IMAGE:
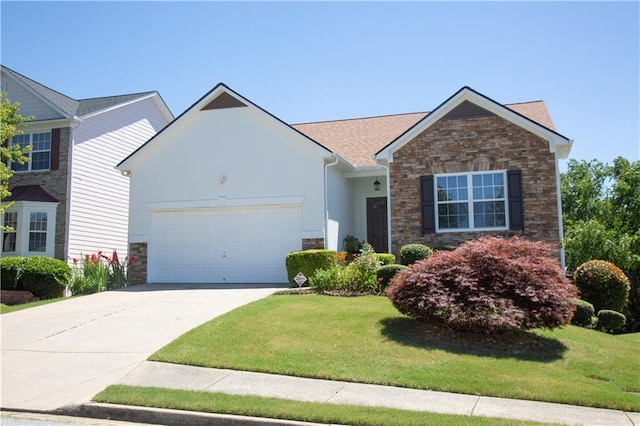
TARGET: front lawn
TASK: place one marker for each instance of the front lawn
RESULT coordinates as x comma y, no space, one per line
364,339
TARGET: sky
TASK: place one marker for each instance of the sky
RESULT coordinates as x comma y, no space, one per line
316,61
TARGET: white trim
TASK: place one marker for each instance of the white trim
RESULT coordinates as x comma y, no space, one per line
470,202
156,206
163,108
557,143
560,224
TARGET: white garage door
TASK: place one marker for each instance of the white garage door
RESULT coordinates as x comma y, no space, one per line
223,245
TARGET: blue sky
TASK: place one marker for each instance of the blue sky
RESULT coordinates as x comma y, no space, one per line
313,61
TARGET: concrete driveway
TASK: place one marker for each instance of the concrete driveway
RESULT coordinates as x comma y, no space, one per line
66,352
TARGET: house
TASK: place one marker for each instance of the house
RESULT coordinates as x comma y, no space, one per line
69,199
225,191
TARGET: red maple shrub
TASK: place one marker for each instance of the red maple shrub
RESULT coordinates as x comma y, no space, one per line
489,285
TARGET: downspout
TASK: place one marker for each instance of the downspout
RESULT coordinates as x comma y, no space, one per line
560,225
388,189
326,197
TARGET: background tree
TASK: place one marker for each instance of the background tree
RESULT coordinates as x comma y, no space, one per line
10,122
601,215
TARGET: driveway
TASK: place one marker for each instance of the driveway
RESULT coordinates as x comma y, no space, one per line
65,353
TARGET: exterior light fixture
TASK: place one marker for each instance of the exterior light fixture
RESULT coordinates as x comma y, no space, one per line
376,185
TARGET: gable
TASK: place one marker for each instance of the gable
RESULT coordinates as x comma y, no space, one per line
31,104
468,103
218,113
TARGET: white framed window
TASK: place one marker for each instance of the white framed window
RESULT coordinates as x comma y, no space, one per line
38,231
471,201
40,155
9,238
32,230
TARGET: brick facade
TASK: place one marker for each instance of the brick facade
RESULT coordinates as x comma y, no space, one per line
467,145
55,182
138,269
312,243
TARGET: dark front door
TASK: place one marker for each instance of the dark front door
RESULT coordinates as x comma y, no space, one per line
377,224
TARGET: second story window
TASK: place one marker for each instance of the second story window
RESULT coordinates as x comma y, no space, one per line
40,154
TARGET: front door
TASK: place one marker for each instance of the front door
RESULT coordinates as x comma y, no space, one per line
377,224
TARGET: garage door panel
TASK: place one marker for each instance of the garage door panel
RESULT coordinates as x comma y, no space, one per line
223,245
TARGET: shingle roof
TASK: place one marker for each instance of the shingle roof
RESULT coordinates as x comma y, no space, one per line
31,193
74,107
359,139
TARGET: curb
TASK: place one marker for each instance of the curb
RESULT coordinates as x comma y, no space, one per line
163,416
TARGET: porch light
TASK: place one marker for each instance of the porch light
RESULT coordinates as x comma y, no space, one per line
376,185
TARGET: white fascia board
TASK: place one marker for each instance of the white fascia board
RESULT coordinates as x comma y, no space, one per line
369,171
116,106
557,143
37,125
36,94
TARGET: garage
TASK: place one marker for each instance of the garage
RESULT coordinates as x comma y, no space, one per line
223,244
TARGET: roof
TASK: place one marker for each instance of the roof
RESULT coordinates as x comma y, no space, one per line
74,107
30,193
359,139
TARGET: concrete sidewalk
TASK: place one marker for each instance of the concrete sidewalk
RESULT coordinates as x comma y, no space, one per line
270,385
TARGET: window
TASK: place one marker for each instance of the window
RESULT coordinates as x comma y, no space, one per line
40,154
471,201
38,231
9,237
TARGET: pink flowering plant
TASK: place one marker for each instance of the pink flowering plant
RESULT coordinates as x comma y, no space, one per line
97,272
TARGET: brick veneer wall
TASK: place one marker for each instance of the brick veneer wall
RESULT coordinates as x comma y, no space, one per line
138,269
55,183
312,243
466,145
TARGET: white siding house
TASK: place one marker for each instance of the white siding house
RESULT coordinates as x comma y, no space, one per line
70,200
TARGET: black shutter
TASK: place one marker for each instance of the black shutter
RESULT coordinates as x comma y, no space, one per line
515,200
55,149
427,205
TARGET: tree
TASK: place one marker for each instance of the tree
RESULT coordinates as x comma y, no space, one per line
601,214
10,122
583,189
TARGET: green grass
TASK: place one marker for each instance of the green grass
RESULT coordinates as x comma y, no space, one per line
364,339
5,309
284,409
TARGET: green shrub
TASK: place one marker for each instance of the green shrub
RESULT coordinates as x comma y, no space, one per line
308,262
386,258
352,245
359,276
411,253
46,278
326,279
610,321
386,272
583,315
602,284
10,271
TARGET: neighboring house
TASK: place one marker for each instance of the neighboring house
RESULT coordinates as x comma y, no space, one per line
69,199
225,191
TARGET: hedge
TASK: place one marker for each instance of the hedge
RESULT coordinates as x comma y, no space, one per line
308,262
46,278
